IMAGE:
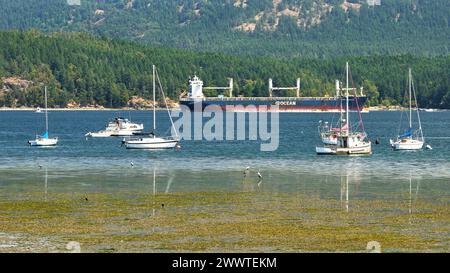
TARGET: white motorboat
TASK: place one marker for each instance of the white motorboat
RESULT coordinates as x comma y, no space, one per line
118,127
410,139
348,141
44,139
152,141
38,110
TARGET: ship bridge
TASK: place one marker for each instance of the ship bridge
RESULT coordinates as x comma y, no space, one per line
196,88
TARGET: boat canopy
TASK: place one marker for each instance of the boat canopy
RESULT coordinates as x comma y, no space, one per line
44,135
407,134
344,128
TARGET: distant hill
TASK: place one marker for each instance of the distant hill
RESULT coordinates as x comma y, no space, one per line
283,28
80,69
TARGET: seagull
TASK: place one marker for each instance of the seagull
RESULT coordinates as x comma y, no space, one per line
247,169
40,166
132,164
428,147
259,175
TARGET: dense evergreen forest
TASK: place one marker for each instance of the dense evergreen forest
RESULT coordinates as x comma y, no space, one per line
88,70
282,28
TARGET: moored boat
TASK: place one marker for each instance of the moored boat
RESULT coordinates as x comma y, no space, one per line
195,100
44,139
410,139
118,127
151,141
350,140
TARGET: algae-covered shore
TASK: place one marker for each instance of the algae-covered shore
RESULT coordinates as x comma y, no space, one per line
220,222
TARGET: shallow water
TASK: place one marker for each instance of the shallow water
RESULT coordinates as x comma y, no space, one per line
74,157
102,166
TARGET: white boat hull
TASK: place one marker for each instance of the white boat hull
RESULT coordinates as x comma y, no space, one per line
99,134
115,133
325,150
43,142
365,149
120,133
118,128
410,144
151,143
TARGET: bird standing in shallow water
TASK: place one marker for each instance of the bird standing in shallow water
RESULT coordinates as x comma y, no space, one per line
246,171
259,175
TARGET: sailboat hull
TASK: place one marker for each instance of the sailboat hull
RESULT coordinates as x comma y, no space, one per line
151,143
43,142
354,151
326,150
410,144
362,149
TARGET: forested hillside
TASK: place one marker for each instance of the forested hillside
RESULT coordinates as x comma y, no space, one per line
87,70
283,28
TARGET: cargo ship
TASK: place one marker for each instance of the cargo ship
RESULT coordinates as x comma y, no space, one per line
197,101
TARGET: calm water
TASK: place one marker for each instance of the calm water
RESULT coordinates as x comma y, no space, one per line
78,165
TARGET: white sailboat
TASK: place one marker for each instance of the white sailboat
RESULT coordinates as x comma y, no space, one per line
152,141
349,142
44,139
410,139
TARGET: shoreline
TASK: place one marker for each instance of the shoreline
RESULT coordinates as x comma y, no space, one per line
80,109
365,110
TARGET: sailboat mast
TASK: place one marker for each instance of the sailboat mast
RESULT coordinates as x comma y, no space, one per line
410,99
154,100
417,109
46,112
340,111
346,101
